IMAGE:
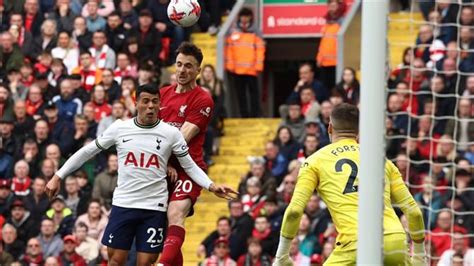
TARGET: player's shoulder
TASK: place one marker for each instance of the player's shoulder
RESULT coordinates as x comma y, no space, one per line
167,128
166,89
202,93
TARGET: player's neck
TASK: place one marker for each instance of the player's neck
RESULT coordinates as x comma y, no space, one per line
337,137
182,88
145,123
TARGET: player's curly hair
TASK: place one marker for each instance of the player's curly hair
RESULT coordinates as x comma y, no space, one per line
188,48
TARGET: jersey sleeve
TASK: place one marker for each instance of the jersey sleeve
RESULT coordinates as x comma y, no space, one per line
401,196
201,111
109,137
179,146
305,186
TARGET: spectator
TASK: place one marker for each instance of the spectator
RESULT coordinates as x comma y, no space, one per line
294,119
349,86
24,39
409,101
33,254
296,255
66,51
81,35
68,106
220,254
275,162
255,255
441,235
72,197
310,145
461,247
41,136
102,54
326,109
33,17
445,148
463,123
58,73
37,201
90,75
274,213
430,201
257,169
11,243
395,112
51,261
34,102
145,74
222,232
309,106
99,100
319,218
22,221
21,181
87,247
46,41
86,188
148,38
30,153
61,216
268,239
253,198
63,15
287,144
23,123
69,255
326,57
95,22
6,197
315,127
51,243
242,225
62,130
288,186
95,220
124,68
10,141
116,33
128,14
10,54
244,59
6,104
118,112
106,182
102,7
112,88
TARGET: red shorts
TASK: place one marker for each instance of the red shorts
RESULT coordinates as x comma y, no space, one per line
185,188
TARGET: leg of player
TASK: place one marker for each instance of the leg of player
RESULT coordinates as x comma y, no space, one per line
146,259
177,212
117,257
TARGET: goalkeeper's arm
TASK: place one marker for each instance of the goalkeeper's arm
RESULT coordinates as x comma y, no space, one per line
307,181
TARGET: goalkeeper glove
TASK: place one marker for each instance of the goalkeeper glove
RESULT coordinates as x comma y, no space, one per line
419,254
283,261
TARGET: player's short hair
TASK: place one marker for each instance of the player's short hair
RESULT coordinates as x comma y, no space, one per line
188,48
149,88
345,118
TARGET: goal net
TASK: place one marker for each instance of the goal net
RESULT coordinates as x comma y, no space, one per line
430,119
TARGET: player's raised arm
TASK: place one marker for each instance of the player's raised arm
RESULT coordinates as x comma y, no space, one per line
306,184
80,157
401,196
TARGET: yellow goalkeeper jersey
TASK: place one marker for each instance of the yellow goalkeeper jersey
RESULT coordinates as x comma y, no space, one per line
333,172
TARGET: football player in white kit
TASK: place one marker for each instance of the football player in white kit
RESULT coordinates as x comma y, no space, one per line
144,145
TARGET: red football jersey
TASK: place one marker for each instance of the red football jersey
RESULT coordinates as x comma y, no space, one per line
196,107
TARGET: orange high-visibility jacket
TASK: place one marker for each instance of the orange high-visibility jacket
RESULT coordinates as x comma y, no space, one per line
327,52
244,53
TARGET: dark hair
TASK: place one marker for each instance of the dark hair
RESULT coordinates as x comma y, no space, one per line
245,12
306,87
115,14
100,31
310,136
277,137
253,240
224,218
310,65
345,118
66,32
188,48
149,88
85,52
83,225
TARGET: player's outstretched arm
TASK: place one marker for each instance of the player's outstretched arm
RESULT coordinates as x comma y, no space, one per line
401,196
72,164
306,184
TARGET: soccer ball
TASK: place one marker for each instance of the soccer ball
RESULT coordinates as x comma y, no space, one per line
184,13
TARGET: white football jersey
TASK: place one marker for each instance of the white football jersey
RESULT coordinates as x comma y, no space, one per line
143,153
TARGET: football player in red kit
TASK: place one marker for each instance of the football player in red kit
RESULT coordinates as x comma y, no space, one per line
188,107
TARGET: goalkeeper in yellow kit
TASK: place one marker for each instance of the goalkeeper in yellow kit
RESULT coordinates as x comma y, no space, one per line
332,171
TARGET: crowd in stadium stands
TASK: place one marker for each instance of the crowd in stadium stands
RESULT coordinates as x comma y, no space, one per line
68,70
430,137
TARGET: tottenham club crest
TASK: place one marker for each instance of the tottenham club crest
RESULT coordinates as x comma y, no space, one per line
181,110
158,142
